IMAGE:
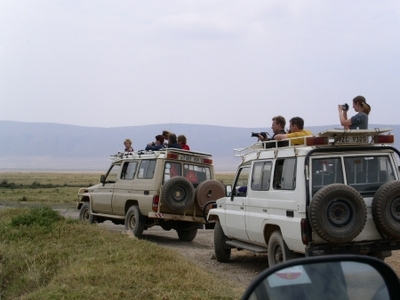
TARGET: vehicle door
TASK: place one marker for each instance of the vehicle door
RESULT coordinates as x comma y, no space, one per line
101,201
146,184
287,198
258,200
123,188
235,206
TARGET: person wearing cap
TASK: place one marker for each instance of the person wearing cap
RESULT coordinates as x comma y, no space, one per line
158,145
165,134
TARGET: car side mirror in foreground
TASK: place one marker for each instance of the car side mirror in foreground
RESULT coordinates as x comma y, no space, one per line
102,179
327,277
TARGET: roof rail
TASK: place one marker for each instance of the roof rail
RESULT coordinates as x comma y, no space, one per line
271,145
150,153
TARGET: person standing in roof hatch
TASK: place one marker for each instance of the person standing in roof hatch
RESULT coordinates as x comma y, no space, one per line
296,130
128,145
182,142
358,121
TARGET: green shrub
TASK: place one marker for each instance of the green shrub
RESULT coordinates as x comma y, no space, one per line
42,216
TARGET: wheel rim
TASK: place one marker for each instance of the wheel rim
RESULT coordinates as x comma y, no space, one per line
278,254
179,194
340,212
86,215
395,209
132,221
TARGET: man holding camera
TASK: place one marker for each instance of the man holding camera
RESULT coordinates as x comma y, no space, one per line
278,127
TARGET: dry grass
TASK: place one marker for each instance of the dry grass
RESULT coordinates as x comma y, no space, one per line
47,257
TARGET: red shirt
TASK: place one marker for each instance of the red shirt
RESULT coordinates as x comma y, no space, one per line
185,147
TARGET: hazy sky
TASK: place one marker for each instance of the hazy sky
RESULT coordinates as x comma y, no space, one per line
230,63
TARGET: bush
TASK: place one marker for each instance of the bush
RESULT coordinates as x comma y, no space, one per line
42,216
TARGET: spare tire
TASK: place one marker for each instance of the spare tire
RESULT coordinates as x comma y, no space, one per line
178,193
207,191
337,213
386,209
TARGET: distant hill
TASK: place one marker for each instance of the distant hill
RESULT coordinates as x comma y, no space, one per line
48,146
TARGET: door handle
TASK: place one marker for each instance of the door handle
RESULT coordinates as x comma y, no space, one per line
265,210
241,207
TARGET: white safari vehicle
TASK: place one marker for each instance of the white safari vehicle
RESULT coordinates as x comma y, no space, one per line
339,192
141,189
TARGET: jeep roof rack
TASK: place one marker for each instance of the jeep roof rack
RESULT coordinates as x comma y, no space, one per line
165,151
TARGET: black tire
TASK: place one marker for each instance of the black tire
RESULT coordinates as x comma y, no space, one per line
134,221
222,250
386,209
178,194
337,213
187,235
85,215
278,252
207,191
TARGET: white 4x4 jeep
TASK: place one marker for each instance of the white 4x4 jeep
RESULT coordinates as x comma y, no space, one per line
337,193
168,188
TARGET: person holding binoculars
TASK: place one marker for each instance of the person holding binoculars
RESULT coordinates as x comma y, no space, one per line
358,121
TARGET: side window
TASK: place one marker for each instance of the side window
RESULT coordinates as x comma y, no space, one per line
112,175
285,174
146,169
128,170
261,176
241,181
171,170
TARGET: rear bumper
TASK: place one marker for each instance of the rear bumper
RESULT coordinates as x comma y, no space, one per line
365,248
163,216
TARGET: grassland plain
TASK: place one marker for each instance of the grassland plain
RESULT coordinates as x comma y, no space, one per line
45,256
54,189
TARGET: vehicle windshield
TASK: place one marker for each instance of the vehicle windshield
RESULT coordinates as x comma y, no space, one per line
194,173
364,173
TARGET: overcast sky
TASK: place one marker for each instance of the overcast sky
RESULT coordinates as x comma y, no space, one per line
230,63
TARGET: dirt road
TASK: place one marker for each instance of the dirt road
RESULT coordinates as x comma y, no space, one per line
242,269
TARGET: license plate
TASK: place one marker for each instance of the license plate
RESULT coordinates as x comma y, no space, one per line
352,139
190,158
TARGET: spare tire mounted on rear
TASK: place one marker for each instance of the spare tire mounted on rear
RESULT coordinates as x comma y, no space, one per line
386,209
178,193
338,213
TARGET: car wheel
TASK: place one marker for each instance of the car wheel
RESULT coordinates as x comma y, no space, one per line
337,213
386,209
187,235
222,251
85,215
206,191
278,251
134,221
178,194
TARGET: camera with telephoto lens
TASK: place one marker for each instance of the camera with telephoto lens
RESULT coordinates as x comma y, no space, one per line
256,134
345,106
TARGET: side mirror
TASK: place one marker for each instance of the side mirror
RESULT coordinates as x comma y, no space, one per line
228,190
327,277
103,179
